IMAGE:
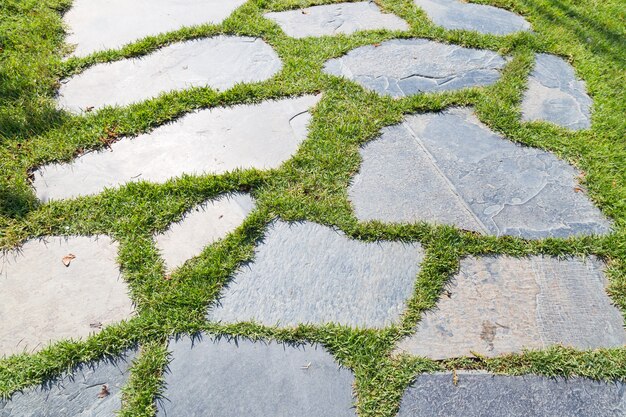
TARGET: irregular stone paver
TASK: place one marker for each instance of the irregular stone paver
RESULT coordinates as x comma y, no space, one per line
457,14
219,62
332,19
75,394
42,300
97,25
556,95
500,305
450,168
214,141
202,226
309,273
254,379
404,67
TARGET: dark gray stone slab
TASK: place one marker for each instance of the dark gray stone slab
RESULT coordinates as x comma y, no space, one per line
254,379
482,395
449,168
308,273
404,67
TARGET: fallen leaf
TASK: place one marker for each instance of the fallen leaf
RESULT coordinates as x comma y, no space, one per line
104,392
578,189
377,44
88,109
67,259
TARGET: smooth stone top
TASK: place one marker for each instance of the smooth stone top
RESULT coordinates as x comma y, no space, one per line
332,19
556,95
98,25
254,379
457,14
404,67
309,273
219,62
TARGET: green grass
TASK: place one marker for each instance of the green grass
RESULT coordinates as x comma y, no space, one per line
311,186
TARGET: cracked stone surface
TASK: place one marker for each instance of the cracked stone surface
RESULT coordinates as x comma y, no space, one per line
96,25
456,14
75,394
42,300
479,394
332,19
212,141
449,168
201,227
499,305
309,273
556,95
219,62
257,379
404,67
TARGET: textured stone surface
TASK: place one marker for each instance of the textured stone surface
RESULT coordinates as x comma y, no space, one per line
212,141
42,300
556,95
450,168
219,62
404,67
481,395
308,273
332,19
97,25
242,378
75,394
202,226
458,14
500,305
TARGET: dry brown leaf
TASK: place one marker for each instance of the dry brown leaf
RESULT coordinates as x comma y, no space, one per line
377,44
578,189
67,259
104,392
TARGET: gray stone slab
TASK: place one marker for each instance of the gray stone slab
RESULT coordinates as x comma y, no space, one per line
404,67
212,141
75,394
556,95
254,379
458,14
449,168
333,19
500,305
42,300
482,395
219,62
95,25
309,273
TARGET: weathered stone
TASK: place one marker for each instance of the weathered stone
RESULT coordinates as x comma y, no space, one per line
308,273
254,379
97,25
449,168
499,305
404,67
76,394
457,14
332,19
556,95
212,141
481,394
219,62
202,226
42,300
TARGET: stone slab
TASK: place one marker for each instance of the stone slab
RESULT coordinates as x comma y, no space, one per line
449,168
42,300
405,67
201,227
556,95
309,273
212,141
96,25
254,379
482,18
500,305
219,62
333,19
